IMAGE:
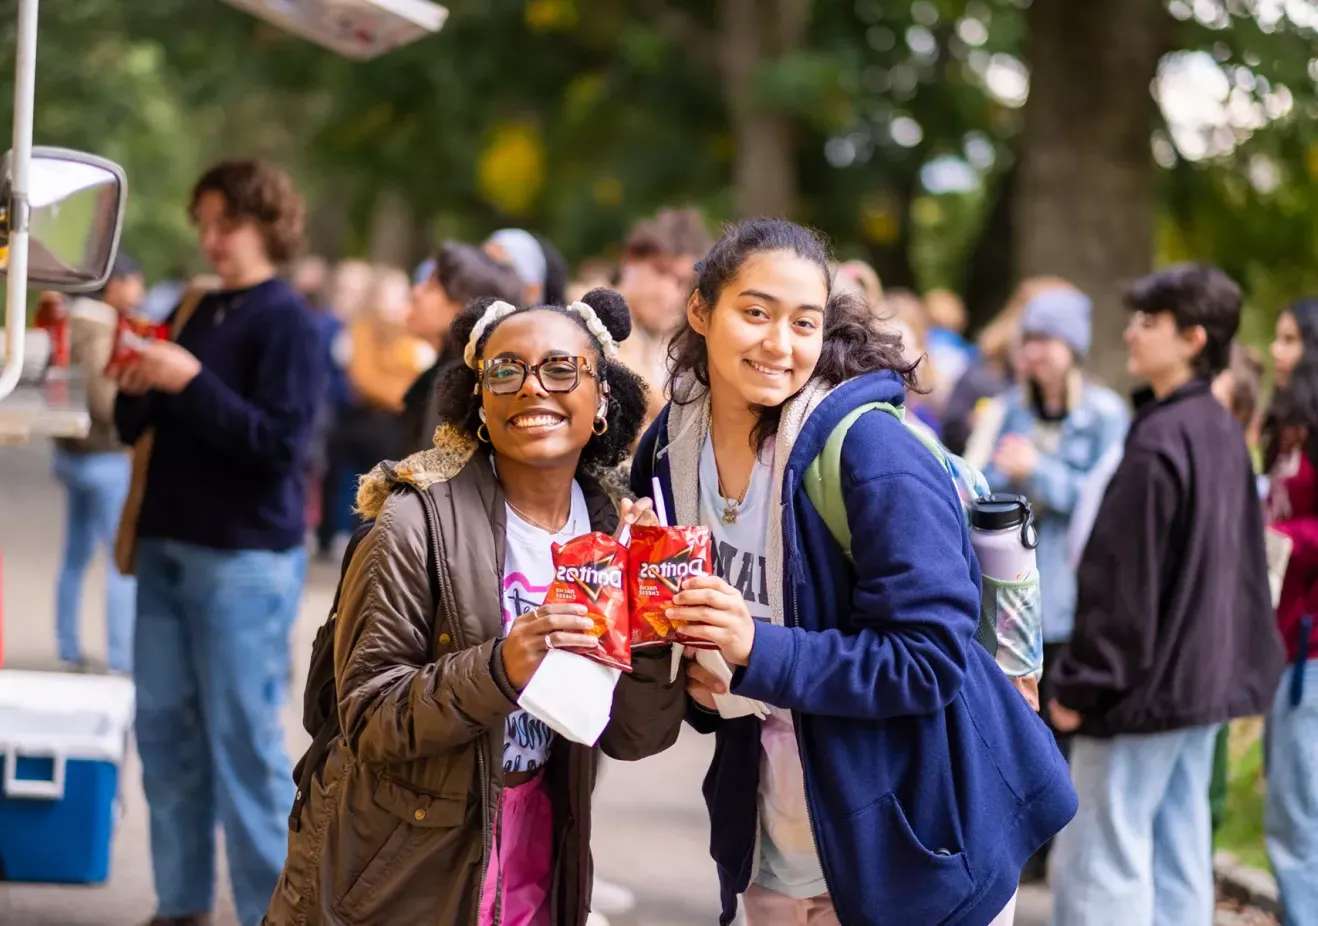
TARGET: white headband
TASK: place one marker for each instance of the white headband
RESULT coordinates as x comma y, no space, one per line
607,345
493,313
497,310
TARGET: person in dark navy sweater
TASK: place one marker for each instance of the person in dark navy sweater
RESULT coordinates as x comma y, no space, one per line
220,558
899,777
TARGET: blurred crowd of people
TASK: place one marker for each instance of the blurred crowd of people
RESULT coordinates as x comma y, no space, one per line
274,396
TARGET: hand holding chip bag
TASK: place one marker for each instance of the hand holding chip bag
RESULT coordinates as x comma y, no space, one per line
132,335
661,559
590,570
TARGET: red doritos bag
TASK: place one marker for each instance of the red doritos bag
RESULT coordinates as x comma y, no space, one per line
661,559
132,336
590,570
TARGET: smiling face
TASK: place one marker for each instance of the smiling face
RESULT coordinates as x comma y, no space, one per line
533,426
764,335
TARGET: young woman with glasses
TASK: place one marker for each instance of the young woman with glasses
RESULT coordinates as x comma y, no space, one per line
442,802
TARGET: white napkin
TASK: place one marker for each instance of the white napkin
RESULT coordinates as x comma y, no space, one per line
573,695
729,706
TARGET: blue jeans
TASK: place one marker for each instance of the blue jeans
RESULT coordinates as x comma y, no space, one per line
1139,851
95,485
212,675
1292,809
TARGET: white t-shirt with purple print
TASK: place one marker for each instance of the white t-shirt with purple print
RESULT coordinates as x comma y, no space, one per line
528,568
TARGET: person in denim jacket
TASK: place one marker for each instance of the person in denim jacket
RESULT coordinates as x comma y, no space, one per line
1053,429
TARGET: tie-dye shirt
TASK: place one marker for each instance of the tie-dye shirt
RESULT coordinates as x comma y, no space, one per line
528,568
788,862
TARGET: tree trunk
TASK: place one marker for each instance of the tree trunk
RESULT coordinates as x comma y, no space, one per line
327,223
990,273
892,259
753,33
391,229
1085,204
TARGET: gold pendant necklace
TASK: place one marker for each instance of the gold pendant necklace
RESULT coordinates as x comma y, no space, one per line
534,523
732,506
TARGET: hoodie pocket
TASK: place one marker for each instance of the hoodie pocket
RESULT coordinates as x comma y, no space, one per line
893,869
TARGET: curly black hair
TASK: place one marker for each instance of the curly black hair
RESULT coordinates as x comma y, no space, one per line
460,404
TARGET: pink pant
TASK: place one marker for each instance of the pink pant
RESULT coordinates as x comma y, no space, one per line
769,908
522,861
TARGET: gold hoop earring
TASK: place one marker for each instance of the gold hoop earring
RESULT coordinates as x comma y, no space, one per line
482,433
600,427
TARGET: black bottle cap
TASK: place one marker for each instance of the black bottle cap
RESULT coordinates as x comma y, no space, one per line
999,512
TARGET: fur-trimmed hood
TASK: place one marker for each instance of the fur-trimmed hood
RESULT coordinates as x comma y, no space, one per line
452,450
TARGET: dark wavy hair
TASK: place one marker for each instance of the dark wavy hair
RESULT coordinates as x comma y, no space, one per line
466,273
460,403
1196,295
261,192
854,344
1294,406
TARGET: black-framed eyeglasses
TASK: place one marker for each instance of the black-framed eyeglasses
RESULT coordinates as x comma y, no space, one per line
507,375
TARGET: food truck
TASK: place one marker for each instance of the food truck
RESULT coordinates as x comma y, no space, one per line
63,736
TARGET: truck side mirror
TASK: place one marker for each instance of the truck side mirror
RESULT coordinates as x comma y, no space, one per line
75,212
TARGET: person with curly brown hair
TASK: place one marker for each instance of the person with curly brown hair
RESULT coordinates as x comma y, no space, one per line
220,418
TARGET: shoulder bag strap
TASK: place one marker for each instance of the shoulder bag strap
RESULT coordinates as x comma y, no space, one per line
125,540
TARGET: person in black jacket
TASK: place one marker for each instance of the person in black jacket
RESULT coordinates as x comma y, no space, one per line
1174,633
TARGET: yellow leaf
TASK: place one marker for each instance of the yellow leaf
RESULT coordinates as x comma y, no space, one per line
550,15
1311,160
879,221
511,169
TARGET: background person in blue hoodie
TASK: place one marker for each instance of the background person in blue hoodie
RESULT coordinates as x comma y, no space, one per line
1048,432
220,558
900,778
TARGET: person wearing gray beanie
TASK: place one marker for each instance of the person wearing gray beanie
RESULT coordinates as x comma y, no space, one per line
1049,431
1063,314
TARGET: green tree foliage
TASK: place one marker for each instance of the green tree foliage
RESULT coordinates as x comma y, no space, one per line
575,117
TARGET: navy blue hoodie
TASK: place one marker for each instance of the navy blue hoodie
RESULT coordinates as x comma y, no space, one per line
929,780
227,469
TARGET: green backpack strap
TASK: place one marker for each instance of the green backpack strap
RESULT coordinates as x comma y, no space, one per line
823,477
823,486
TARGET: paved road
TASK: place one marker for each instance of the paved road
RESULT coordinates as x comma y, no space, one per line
650,819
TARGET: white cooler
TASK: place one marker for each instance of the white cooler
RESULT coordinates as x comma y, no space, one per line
62,742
